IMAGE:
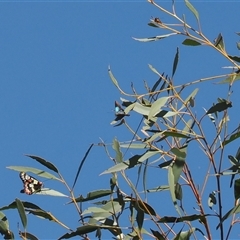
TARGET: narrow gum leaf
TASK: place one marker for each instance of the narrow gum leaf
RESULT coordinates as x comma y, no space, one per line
114,80
36,171
116,147
156,106
192,9
21,212
190,42
45,163
175,63
156,38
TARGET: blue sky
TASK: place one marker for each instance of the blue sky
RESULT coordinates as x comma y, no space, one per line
56,97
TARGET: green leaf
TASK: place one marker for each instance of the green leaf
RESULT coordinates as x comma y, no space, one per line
139,108
44,162
157,235
36,171
175,63
232,138
178,191
116,147
93,195
154,70
156,38
238,45
189,218
4,224
140,218
172,189
81,165
219,43
27,235
190,42
175,134
191,96
184,235
237,189
179,162
13,205
134,146
192,9
235,58
141,205
21,212
79,232
230,79
147,155
51,192
234,210
114,80
45,215
219,107
158,189
156,106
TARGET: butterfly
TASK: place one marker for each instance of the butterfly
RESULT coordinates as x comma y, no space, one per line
31,185
119,112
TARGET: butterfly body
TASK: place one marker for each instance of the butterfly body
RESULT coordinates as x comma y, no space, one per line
31,185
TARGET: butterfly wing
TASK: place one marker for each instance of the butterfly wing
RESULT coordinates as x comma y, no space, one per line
30,184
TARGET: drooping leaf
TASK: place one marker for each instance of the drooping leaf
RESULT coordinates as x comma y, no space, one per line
141,205
116,147
156,106
157,235
232,138
81,165
27,235
235,58
179,162
191,96
238,45
13,205
184,235
46,215
237,189
219,43
190,42
156,38
175,134
114,80
21,212
232,78
171,183
178,191
232,211
93,195
158,189
139,108
219,107
36,171
189,218
4,224
140,218
156,84
175,63
45,163
192,9
80,231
